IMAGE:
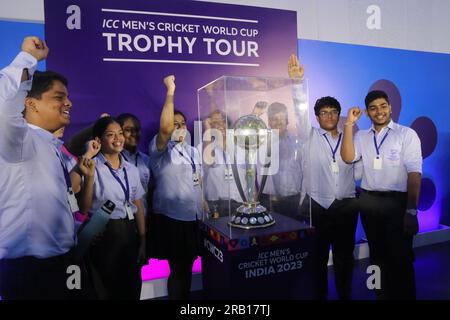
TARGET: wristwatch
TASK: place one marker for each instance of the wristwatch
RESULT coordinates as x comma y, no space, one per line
412,212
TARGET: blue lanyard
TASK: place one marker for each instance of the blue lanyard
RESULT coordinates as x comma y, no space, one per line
126,189
333,151
66,173
377,147
190,159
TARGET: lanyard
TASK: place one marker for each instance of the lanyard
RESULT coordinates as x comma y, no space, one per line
190,159
66,173
333,151
377,147
126,189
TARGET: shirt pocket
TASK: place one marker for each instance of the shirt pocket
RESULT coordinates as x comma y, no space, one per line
393,156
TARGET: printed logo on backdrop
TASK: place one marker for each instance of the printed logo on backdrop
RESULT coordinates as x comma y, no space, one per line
174,35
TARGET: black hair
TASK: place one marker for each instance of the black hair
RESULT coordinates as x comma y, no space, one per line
43,82
374,95
123,117
180,113
324,102
277,107
101,125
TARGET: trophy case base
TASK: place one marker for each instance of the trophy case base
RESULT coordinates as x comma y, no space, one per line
259,263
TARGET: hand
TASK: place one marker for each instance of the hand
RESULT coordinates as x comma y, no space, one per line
169,81
295,70
207,123
86,166
259,108
93,147
410,224
36,47
353,115
142,254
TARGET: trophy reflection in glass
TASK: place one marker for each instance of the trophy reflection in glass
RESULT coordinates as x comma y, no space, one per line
250,132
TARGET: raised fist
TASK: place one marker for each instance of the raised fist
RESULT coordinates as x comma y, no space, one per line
259,108
169,81
87,166
295,70
36,47
93,147
354,114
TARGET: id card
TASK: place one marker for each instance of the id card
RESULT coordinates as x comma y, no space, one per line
129,211
377,163
195,179
72,201
334,167
228,174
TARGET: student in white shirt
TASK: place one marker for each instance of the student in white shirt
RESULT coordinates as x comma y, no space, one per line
177,197
392,167
117,255
36,200
330,185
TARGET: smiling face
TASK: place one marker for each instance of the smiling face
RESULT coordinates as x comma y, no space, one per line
379,111
52,110
112,140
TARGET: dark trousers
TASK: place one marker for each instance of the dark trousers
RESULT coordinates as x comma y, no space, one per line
335,227
288,206
180,278
30,278
382,217
113,262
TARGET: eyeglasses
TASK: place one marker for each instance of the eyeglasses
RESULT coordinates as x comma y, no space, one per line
332,113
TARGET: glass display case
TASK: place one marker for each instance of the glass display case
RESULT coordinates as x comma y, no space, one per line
252,154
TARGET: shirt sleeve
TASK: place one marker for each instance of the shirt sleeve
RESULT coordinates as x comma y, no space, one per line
412,152
155,155
140,192
357,143
13,127
301,108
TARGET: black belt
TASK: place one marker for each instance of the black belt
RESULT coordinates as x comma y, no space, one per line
385,193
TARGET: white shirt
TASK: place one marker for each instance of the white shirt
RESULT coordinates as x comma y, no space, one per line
142,162
319,181
400,154
287,180
35,216
106,187
219,180
175,193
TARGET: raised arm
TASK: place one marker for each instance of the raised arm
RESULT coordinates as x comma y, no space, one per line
166,123
14,85
300,97
348,153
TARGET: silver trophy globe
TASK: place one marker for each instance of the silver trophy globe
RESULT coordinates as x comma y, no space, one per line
250,132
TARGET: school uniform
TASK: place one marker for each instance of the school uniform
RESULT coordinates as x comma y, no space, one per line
141,161
281,192
329,184
177,206
387,157
114,256
36,222
219,183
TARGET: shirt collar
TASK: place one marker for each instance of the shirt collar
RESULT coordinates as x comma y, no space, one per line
391,125
47,136
102,159
323,132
